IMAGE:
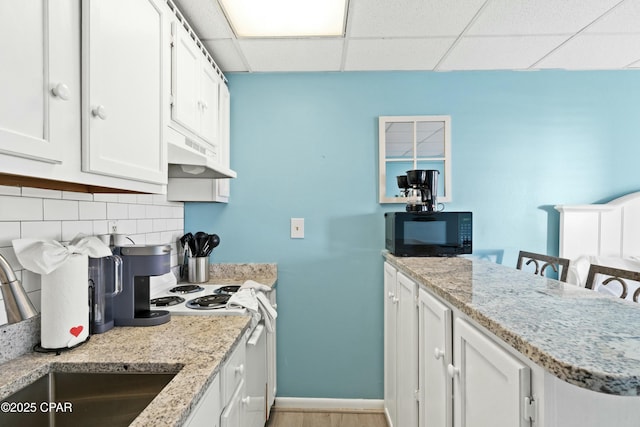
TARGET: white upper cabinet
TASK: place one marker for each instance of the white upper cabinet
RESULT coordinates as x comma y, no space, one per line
195,87
38,80
122,120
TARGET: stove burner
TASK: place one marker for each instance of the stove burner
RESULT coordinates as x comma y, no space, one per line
166,301
209,302
186,289
227,290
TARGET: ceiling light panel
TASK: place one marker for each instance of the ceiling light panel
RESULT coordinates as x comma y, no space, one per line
286,18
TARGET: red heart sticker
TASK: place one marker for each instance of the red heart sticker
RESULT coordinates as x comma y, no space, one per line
76,330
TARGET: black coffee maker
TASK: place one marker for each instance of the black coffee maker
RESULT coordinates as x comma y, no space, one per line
425,182
140,262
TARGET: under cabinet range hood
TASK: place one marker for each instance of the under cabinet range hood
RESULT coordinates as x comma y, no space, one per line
191,159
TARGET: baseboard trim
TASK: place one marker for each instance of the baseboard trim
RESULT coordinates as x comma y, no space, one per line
333,405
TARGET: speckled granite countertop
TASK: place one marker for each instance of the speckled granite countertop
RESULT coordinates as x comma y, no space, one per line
193,346
578,335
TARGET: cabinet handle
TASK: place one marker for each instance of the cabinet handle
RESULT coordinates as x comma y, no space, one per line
99,112
453,371
438,354
61,91
239,369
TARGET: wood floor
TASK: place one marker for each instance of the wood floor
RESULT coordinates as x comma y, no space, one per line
281,418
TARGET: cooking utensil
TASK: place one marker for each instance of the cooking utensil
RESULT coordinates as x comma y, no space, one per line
201,238
185,241
213,242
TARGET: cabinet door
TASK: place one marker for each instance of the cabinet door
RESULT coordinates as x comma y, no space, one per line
122,89
490,384
185,79
407,353
209,87
207,413
434,355
38,83
224,140
232,416
390,313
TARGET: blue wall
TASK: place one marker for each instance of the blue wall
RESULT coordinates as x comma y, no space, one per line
305,145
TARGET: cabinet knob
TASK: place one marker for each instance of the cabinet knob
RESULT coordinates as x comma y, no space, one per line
390,295
240,369
204,105
438,354
99,112
453,371
246,400
61,91
395,300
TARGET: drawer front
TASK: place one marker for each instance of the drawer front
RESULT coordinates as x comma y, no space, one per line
234,371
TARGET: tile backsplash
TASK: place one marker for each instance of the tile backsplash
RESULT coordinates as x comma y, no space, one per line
60,215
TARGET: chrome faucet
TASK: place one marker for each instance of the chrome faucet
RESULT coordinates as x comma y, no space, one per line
16,302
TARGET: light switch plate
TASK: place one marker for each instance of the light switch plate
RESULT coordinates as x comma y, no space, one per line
297,228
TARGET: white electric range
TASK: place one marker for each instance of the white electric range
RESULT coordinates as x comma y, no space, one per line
260,344
191,299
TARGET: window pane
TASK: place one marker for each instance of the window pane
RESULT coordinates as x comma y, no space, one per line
439,166
393,170
399,140
430,139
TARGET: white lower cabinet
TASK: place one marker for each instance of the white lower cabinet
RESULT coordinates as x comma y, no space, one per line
491,387
445,372
390,343
207,413
232,416
406,353
434,355
232,386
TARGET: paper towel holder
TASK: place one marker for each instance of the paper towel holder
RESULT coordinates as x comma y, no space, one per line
16,302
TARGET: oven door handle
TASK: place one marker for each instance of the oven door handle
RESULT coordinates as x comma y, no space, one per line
255,336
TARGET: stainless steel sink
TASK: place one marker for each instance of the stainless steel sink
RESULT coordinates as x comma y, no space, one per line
82,399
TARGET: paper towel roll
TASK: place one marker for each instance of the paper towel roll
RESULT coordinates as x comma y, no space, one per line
65,304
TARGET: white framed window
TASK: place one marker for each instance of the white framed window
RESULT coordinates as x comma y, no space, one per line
413,142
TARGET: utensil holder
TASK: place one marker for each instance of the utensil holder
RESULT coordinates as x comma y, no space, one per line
198,269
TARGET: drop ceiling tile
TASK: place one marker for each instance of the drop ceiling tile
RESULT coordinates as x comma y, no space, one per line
395,54
206,18
410,18
292,54
224,52
595,51
625,18
532,17
499,53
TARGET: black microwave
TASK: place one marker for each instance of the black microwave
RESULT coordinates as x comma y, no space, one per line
428,233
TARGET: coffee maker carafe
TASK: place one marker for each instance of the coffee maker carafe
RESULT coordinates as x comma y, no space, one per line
425,181
140,262
105,282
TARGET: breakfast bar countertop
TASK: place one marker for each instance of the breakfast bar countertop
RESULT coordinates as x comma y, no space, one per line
578,335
